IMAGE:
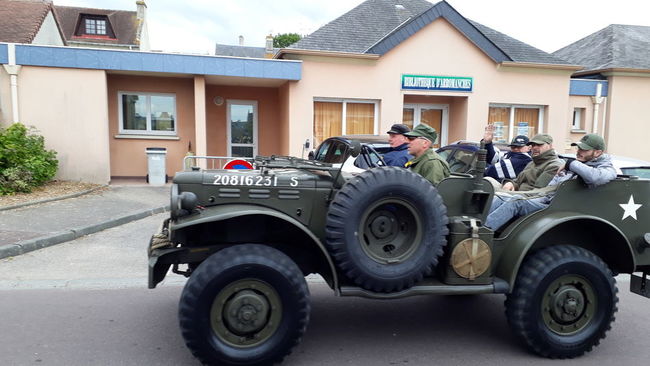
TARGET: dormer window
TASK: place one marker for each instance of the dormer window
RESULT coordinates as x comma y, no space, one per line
94,26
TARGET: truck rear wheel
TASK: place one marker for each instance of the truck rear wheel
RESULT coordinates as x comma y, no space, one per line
386,229
563,302
244,305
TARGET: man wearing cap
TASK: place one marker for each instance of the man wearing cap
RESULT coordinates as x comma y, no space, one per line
512,163
590,163
539,172
398,154
426,162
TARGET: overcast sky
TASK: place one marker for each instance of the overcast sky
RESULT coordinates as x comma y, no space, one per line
194,26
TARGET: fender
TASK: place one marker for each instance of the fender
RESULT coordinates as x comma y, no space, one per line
225,212
517,243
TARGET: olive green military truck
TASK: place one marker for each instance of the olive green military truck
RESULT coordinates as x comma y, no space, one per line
247,238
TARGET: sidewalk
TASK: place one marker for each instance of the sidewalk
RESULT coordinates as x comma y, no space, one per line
37,226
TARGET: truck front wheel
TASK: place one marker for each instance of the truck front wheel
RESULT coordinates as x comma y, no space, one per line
244,305
563,302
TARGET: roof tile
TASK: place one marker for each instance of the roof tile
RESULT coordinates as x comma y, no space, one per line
21,20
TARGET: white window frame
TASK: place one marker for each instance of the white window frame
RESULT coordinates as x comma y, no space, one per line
90,25
578,116
148,131
511,122
345,102
101,22
255,143
417,113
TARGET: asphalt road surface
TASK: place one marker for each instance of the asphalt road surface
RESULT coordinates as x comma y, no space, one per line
86,303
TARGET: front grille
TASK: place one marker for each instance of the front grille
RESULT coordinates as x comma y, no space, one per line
259,193
289,194
229,193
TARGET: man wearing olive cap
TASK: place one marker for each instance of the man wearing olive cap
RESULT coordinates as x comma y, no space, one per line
591,164
426,162
539,172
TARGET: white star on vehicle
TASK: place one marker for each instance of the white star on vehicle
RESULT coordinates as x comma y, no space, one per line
630,208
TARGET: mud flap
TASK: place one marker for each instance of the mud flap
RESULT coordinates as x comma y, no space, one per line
639,285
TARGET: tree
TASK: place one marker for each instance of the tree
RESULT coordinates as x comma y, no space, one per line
283,40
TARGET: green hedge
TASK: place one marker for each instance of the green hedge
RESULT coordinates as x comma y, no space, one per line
24,161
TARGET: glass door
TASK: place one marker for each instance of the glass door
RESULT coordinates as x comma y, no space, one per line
434,115
242,128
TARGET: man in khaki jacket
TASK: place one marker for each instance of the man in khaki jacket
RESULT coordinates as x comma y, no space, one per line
539,172
426,162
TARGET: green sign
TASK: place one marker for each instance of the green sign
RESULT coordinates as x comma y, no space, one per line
426,82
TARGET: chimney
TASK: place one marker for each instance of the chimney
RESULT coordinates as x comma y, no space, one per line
142,9
268,50
241,40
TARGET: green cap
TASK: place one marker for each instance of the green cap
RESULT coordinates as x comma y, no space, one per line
425,131
590,142
541,139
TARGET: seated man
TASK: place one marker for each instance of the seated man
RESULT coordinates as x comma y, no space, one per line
398,154
512,163
591,164
539,172
426,162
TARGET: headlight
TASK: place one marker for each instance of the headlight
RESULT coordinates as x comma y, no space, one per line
182,204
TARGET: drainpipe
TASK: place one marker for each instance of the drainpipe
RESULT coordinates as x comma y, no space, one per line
12,69
596,100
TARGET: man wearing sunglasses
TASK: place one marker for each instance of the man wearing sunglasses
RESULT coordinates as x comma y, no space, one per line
426,162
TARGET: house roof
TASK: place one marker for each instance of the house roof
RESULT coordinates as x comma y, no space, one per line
124,24
362,27
613,47
377,26
241,51
21,20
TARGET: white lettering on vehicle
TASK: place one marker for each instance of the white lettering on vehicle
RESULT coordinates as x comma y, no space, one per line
248,180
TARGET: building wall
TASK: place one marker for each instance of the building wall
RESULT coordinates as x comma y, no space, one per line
5,98
68,107
128,158
437,49
48,34
585,102
627,129
269,123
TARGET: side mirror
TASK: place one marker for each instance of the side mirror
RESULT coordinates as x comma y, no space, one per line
311,155
355,148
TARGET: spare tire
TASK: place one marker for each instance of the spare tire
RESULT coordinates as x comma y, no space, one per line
386,228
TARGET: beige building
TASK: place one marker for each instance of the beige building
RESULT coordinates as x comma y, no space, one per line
380,63
618,58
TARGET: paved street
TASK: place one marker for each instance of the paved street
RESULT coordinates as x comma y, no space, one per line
85,302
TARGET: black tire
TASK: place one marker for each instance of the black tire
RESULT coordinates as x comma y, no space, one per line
563,303
228,310
386,229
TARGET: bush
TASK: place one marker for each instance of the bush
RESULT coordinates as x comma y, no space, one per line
24,162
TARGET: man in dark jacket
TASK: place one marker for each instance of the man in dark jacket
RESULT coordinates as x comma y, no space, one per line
512,163
398,155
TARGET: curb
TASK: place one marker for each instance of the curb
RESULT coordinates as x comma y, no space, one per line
46,200
22,247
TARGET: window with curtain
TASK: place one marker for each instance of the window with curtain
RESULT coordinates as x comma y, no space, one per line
347,117
500,117
513,120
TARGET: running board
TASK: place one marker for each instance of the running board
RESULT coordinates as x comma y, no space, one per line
430,287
